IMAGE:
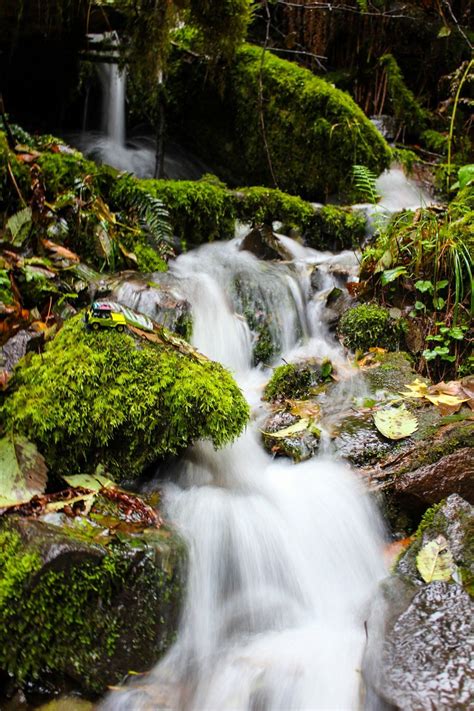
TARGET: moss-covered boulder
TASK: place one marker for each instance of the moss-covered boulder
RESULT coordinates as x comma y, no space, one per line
297,380
369,325
335,228
82,604
314,132
107,397
200,211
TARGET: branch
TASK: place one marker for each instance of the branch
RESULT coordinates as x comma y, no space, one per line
344,8
447,5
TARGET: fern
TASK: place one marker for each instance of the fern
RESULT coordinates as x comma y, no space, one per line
364,182
151,211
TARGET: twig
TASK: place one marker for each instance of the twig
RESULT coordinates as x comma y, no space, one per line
447,5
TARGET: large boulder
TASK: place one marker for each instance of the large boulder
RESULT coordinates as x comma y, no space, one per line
420,644
85,600
313,131
107,397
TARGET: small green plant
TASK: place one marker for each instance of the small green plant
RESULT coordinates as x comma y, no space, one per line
364,183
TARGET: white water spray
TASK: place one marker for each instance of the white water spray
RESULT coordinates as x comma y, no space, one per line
283,558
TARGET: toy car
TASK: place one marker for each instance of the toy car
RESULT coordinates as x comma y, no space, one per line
102,315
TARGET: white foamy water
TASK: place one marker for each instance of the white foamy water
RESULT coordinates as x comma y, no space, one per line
283,558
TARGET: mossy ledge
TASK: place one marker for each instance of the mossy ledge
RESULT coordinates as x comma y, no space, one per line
79,613
314,132
105,397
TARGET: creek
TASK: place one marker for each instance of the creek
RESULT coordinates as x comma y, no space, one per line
283,559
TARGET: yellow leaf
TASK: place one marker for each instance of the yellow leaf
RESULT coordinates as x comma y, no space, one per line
294,429
435,561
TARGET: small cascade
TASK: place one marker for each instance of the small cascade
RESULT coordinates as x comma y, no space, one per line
283,558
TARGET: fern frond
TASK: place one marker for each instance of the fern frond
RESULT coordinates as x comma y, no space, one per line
364,182
151,211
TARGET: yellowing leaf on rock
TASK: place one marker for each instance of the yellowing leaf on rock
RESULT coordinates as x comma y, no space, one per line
417,389
294,429
304,408
93,482
395,422
435,561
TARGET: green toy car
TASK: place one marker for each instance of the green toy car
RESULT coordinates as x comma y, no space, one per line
102,315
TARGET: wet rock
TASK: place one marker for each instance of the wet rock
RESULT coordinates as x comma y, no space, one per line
454,520
420,657
17,346
158,298
85,601
299,447
424,662
359,441
265,244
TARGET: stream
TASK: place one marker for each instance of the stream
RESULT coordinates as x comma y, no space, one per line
283,559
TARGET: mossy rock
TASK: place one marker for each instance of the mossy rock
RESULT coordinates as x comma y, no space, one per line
452,518
335,228
105,397
262,205
200,211
368,326
296,381
81,608
314,132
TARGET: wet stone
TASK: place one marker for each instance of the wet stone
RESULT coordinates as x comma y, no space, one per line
427,655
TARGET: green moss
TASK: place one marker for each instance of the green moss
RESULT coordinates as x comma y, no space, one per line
314,132
406,108
63,613
6,293
148,260
265,205
61,170
10,166
200,211
101,397
369,325
335,228
296,381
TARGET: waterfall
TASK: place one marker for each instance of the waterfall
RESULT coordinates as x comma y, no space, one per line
283,558
113,83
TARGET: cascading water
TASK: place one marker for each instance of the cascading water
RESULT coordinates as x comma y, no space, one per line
113,84
283,558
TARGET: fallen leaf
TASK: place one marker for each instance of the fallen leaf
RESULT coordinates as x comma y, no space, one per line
60,251
435,561
23,472
294,429
395,422
304,408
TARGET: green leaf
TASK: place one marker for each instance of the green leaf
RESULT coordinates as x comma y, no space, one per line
19,226
438,302
395,422
326,369
390,275
23,472
435,561
456,332
424,286
442,284
420,306
466,175
445,31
